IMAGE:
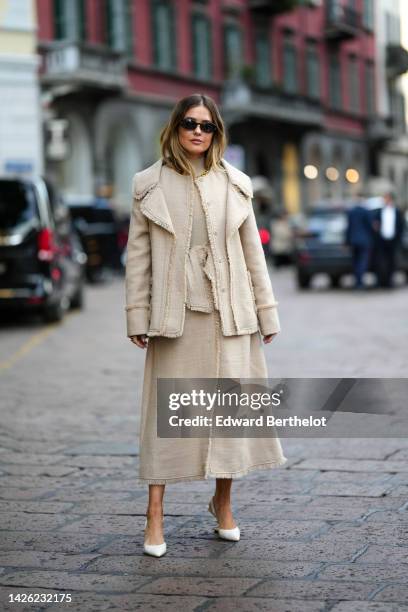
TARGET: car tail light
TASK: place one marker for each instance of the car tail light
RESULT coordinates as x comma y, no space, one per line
304,257
35,299
264,235
45,245
55,274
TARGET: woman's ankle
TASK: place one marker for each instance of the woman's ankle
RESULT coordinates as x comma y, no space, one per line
154,512
222,502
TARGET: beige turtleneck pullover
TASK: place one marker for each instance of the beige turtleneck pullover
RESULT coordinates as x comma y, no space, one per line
199,268
199,234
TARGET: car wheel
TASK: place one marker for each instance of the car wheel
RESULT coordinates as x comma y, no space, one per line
95,276
77,300
54,313
303,280
90,277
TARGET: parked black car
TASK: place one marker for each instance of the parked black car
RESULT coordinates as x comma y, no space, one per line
41,258
99,232
320,247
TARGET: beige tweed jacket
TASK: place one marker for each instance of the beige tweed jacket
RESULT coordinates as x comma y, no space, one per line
158,244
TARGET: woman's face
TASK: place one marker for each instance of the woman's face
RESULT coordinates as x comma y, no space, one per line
196,142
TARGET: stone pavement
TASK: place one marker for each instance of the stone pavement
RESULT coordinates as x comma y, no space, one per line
327,531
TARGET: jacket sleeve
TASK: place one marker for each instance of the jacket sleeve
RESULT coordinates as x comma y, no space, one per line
138,271
266,305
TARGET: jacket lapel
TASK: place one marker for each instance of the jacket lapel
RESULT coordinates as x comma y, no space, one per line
153,205
239,194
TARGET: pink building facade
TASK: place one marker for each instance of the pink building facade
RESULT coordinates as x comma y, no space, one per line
297,88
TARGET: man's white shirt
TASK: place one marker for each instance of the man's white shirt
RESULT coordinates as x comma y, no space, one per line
388,218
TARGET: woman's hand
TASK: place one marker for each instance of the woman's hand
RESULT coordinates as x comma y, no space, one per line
140,340
269,338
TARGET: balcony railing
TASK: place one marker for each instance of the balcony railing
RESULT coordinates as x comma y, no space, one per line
379,129
273,7
241,100
342,21
82,64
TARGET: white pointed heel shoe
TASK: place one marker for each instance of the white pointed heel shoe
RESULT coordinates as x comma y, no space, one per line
226,534
155,550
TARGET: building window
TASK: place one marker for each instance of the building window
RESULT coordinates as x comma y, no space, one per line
202,47
312,70
368,14
119,31
232,50
335,89
263,68
370,88
354,84
290,80
164,38
70,20
333,10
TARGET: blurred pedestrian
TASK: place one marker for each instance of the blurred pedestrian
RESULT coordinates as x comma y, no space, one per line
199,297
388,225
359,236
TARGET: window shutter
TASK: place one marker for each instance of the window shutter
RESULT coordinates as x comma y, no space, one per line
59,19
155,33
129,6
290,65
194,42
209,49
201,45
173,35
164,34
224,52
313,71
81,13
262,61
109,22
232,50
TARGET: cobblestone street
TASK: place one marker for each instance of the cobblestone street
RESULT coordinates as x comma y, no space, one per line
327,531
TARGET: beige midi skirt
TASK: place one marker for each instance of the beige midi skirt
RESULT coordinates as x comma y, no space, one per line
201,352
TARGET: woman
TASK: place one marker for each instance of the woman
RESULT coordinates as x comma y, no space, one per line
197,293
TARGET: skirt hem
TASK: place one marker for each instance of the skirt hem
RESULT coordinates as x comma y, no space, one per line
210,475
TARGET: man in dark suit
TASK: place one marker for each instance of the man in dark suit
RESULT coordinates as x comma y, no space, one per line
359,236
388,225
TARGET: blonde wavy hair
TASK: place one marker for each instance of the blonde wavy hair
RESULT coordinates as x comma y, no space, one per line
173,153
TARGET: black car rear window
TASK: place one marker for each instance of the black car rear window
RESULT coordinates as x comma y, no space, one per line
328,227
17,204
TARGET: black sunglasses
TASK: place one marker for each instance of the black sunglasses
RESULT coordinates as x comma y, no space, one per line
206,126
